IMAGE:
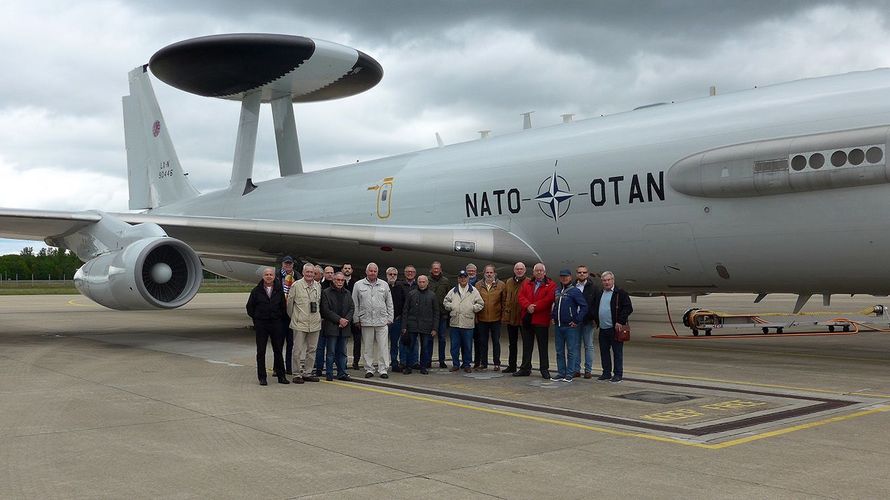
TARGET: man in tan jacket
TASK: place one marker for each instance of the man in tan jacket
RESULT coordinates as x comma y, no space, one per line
462,302
305,319
512,313
488,320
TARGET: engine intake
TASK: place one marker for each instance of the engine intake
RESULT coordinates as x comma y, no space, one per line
149,273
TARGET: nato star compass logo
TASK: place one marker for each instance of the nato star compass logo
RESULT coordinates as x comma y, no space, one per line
554,197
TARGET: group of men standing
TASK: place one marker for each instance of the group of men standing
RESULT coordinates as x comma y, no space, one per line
395,323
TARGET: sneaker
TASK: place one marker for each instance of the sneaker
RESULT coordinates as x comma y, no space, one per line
567,379
344,377
557,379
298,380
616,379
384,375
588,375
603,377
369,374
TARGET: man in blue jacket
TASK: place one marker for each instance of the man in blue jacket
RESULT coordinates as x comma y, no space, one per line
569,311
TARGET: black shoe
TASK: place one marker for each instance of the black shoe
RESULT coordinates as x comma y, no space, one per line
616,379
416,366
396,368
263,382
442,364
329,378
282,380
603,377
369,374
545,375
406,371
344,378
383,375
355,365
311,378
522,373
423,371
510,369
297,380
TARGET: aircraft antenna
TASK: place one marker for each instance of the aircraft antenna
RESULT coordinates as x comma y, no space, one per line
527,120
713,91
484,134
568,117
439,140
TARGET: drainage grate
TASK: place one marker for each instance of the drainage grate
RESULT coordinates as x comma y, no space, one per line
657,397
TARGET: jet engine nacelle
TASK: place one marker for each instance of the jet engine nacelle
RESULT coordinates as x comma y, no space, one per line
149,273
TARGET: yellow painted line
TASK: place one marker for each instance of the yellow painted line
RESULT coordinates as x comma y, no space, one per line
606,430
73,302
787,430
754,384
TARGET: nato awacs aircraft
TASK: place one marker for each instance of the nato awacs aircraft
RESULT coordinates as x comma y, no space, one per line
781,188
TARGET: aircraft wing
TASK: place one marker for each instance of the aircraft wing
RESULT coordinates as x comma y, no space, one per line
265,240
42,224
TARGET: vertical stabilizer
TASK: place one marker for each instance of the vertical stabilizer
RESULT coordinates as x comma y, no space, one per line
155,175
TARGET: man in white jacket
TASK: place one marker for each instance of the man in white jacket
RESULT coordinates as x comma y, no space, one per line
463,302
374,313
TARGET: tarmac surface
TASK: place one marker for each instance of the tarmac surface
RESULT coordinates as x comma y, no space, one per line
100,403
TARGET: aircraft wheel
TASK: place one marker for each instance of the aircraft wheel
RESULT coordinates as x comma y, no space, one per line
694,332
708,332
846,328
779,329
765,330
831,328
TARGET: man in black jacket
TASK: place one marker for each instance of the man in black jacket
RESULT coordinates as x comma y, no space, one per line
337,310
266,306
420,318
612,308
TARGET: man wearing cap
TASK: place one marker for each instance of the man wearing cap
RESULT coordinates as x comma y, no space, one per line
569,310
288,276
462,302
536,299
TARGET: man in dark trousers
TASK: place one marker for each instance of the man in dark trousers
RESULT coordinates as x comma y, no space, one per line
337,310
536,299
266,306
420,319
612,308
288,276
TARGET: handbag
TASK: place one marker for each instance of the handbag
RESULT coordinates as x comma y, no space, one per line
622,333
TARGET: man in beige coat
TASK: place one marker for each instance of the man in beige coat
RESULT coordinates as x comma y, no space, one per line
462,302
305,319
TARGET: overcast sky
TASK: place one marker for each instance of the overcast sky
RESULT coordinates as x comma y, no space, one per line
449,67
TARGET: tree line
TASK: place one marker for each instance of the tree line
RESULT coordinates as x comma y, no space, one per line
46,264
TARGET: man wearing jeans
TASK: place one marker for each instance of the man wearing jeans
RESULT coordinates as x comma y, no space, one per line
588,286
613,307
569,310
337,310
462,302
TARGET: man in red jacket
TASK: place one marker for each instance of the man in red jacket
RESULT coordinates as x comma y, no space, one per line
536,299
